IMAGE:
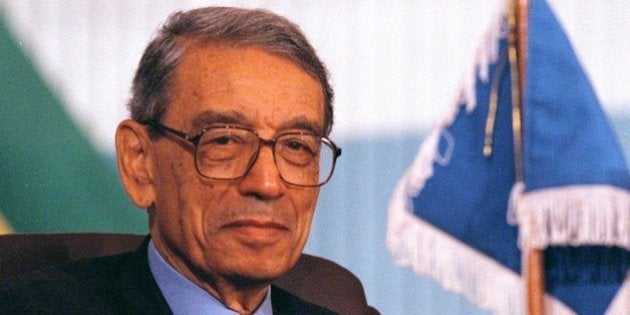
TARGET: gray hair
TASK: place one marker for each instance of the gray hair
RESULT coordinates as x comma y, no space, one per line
219,25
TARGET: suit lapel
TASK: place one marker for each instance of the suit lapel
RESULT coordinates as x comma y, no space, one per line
138,289
139,293
284,302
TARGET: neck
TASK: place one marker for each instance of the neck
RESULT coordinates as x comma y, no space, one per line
241,299
241,295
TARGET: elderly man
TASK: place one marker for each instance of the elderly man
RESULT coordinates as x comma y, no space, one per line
226,149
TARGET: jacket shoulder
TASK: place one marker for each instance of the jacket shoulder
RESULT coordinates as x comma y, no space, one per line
284,302
77,287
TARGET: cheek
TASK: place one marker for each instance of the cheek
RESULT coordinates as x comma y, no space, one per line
187,218
180,186
200,205
181,207
304,205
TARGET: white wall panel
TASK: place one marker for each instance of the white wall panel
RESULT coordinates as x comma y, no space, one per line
395,65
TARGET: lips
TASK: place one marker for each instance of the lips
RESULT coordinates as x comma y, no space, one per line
257,232
256,223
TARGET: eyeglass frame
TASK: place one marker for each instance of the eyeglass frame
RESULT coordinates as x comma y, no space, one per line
194,140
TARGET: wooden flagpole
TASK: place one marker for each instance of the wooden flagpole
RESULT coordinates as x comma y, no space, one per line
533,270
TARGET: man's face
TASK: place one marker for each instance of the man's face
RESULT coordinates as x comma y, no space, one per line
253,228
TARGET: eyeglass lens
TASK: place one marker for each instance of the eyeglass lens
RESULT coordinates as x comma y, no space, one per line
228,153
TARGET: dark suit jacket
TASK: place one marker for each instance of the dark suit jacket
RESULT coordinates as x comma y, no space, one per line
121,284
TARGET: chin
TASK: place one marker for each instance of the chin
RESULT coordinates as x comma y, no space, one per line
257,277
263,270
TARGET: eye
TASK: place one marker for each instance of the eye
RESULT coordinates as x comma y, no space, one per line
297,146
225,137
223,144
221,140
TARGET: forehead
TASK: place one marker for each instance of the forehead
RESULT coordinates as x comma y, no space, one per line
248,85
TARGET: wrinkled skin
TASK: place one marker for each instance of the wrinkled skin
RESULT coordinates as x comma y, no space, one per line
229,237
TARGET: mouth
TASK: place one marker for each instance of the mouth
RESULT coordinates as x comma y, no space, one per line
257,232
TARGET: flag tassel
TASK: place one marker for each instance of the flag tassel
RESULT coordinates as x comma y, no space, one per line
575,215
429,251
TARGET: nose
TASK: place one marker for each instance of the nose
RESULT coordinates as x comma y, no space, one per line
263,179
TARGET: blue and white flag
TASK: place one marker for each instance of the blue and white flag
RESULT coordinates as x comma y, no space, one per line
459,214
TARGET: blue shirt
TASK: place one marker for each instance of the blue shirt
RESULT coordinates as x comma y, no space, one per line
185,297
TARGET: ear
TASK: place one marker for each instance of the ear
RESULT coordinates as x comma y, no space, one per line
134,152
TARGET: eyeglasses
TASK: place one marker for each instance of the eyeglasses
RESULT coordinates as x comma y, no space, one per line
229,152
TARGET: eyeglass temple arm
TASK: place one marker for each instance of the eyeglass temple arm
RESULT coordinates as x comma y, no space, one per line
178,133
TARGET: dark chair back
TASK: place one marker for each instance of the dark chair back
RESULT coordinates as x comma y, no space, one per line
313,279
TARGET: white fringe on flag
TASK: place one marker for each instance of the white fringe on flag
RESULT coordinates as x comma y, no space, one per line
572,215
456,266
432,252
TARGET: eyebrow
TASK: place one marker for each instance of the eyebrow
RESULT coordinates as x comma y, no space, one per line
303,123
210,117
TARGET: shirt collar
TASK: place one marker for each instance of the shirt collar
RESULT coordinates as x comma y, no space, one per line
185,297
